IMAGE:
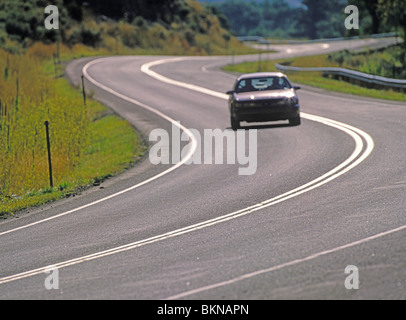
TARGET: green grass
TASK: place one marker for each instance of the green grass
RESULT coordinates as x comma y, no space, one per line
316,79
113,146
386,62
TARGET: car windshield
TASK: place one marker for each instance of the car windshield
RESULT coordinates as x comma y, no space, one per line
262,84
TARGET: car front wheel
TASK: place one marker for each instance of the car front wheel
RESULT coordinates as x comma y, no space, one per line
295,121
235,124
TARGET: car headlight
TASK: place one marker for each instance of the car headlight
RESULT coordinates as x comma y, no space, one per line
292,100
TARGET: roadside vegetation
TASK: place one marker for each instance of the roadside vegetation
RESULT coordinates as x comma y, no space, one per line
181,27
366,61
88,142
388,62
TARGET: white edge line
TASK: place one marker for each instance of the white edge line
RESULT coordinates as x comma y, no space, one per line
346,128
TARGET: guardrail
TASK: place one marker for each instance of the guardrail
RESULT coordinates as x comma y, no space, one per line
356,76
262,40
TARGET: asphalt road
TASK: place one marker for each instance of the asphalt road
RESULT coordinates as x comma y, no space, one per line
325,195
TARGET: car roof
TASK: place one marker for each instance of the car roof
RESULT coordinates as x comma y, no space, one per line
260,74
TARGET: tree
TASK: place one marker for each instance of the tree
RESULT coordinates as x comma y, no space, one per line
314,12
320,19
394,14
372,7
267,18
25,20
369,8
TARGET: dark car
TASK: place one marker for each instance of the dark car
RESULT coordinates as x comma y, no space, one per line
263,97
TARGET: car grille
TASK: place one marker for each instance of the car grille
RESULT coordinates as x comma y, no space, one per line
264,103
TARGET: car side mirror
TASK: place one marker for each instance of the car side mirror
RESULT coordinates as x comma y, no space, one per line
297,88
230,92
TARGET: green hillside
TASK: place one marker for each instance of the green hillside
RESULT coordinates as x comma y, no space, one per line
170,27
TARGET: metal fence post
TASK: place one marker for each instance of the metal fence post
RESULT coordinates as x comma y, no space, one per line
49,154
83,90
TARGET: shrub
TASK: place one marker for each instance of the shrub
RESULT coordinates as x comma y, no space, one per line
128,35
190,37
18,28
139,22
87,36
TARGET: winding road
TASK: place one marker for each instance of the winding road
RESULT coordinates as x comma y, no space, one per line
325,195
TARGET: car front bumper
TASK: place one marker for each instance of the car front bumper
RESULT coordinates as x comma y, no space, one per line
265,113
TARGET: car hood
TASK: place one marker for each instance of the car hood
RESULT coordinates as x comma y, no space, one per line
263,95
